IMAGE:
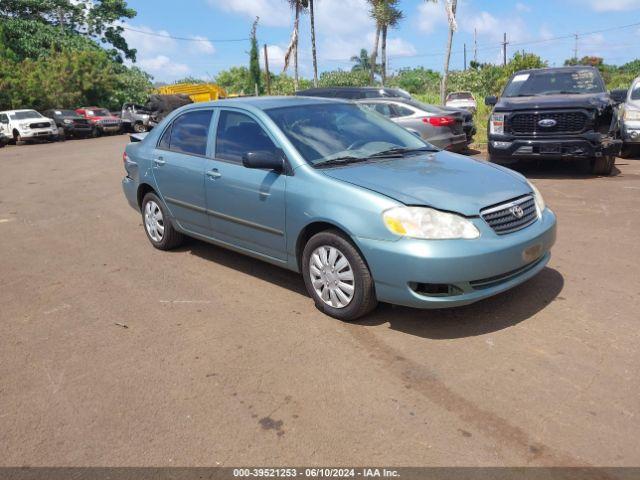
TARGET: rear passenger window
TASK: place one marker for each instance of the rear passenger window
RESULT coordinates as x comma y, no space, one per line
402,111
238,134
165,141
188,133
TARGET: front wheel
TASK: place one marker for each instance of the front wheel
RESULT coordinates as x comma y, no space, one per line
157,224
603,165
337,277
139,128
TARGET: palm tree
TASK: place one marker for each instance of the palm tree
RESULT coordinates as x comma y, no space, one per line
313,43
361,62
450,6
386,14
299,6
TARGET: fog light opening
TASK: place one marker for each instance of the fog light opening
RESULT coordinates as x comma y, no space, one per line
435,289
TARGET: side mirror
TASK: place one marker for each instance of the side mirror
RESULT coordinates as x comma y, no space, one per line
618,95
263,159
491,100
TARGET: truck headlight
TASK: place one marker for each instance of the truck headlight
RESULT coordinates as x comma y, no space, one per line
68,121
537,197
631,114
427,223
25,125
496,123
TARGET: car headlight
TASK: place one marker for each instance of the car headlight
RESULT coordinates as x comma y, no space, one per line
427,223
537,197
68,121
24,125
496,124
631,114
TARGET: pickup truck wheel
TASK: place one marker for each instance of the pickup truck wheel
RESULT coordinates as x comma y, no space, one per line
337,277
17,138
139,128
602,165
157,224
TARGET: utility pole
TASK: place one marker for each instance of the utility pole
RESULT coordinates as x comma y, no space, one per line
504,51
475,45
266,69
575,47
465,56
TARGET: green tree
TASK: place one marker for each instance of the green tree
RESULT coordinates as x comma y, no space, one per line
234,80
361,62
32,27
386,15
254,61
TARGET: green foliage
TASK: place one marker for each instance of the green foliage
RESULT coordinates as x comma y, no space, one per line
416,80
189,79
235,80
255,79
342,78
32,28
70,79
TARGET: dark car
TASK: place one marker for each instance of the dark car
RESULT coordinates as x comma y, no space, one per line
555,113
354,93
69,123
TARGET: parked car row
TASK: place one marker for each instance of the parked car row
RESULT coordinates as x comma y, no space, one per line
445,127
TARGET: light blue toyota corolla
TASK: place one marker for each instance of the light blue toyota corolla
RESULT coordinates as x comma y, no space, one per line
364,209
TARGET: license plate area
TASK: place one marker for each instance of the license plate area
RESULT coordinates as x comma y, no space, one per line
550,148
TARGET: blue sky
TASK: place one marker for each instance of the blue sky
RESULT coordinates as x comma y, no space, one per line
344,26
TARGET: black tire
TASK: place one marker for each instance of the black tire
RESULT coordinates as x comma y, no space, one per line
171,237
364,297
17,138
139,128
630,151
602,165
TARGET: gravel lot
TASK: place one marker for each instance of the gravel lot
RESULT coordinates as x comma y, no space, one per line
225,361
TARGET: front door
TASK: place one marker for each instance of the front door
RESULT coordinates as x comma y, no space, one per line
246,206
179,163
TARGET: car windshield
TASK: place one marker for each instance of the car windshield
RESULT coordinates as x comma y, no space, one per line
25,115
460,96
635,92
99,112
552,82
66,113
326,132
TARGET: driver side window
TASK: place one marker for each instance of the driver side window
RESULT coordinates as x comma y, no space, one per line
238,134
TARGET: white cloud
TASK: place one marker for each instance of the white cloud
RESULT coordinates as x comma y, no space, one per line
398,47
148,41
523,7
614,5
163,67
274,13
430,16
202,45
493,28
348,18
276,58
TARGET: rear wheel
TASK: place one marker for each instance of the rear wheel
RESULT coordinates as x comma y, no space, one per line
157,224
602,165
337,277
139,128
630,151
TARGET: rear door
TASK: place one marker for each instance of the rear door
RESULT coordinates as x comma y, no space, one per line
178,163
246,206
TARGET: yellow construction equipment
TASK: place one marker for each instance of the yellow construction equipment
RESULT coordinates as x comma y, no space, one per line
198,92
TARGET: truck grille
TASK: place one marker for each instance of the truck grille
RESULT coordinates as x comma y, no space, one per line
511,216
40,125
80,121
566,122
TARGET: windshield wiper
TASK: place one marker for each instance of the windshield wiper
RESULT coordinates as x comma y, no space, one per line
401,151
340,161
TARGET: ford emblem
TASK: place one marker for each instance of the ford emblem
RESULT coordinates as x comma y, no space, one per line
547,122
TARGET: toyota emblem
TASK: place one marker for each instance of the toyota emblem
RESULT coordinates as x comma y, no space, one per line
517,211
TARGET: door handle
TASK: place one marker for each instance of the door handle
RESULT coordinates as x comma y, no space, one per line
214,173
159,161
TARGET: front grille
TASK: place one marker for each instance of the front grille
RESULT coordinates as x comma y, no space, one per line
40,125
566,122
503,218
80,121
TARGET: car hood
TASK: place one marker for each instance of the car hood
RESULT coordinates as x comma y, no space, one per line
586,100
441,180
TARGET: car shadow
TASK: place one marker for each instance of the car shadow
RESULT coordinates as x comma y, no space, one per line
490,315
565,170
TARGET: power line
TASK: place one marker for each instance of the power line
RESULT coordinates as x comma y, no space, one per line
185,39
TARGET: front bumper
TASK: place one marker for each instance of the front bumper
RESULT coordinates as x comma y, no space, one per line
473,269
32,133
631,131
508,148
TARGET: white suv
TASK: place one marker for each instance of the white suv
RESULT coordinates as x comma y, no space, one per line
25,125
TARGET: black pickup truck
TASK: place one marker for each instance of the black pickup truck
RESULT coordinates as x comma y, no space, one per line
555,113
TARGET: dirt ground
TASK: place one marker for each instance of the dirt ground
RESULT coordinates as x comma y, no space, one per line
225,361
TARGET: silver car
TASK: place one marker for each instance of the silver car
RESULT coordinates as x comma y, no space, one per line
441,128
630,119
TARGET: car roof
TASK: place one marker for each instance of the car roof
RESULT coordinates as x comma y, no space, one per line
267,103
569,68
20,110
